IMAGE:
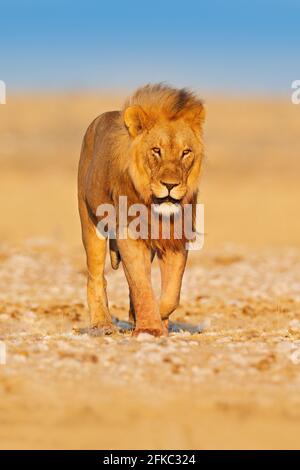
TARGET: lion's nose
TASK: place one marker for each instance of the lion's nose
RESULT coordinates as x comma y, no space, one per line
169,186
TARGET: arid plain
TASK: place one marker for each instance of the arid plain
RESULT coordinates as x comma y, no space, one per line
235,385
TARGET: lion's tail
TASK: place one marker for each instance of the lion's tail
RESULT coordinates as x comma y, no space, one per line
114,253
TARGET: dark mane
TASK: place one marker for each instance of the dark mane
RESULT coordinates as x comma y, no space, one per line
163,100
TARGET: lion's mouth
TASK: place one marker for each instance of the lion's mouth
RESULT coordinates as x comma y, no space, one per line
164,200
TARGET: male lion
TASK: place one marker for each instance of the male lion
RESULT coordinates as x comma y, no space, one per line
151,152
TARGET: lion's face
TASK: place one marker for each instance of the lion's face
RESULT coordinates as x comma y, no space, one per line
169,153
166,163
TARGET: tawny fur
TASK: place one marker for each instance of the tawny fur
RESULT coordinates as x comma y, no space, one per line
118,159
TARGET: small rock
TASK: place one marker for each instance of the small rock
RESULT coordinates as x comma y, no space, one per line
145,337
295,357
294,325
4,317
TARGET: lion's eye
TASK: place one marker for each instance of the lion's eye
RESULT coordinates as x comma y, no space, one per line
186,152
157,151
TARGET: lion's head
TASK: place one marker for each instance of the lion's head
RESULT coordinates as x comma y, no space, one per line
165,128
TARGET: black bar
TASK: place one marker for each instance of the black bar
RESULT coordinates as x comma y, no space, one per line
136,458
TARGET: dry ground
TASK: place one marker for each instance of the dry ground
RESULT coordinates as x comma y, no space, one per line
236,385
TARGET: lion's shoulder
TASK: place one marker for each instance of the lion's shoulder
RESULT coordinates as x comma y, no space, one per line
107,122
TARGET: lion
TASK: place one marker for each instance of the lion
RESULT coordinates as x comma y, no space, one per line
151,151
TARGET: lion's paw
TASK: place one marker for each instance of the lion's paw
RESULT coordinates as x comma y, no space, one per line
156,331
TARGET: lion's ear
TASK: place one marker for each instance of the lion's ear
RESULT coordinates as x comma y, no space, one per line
194,116
136,120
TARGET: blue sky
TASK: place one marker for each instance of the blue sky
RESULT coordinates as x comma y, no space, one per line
234,46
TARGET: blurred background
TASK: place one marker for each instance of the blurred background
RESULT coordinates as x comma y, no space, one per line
235,385
66,62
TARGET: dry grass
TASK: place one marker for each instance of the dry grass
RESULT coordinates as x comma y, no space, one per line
237,384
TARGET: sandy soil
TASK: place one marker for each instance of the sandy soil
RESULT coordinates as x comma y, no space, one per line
235,385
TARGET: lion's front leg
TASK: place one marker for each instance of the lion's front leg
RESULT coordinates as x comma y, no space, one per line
131,314
136,259
172,266
101,322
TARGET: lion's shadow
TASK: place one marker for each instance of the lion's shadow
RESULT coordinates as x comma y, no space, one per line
173,327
